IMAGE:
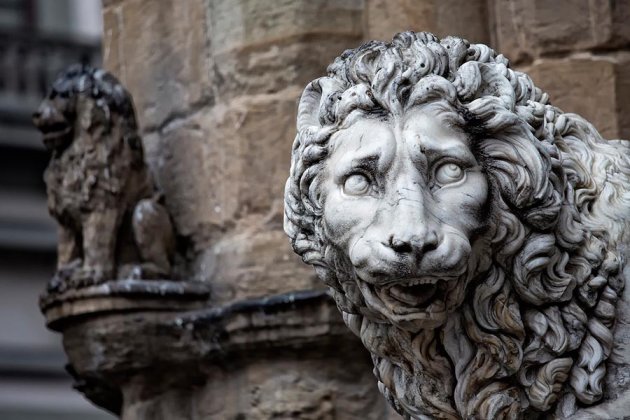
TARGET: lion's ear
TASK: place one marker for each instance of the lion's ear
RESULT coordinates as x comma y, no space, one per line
308,108
318,103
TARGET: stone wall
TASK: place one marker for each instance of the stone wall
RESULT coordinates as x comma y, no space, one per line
576,50
216,83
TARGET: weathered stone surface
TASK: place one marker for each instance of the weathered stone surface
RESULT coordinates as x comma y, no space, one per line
250,24
275,357
248,145
234,229
473,235
62,309
526,29
160,53
603,80
293,385
382,18
177,57
275,65
622,95
112,223
466,18
253,262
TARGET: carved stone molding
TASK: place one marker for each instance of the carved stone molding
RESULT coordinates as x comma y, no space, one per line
474,236
120,296
174,350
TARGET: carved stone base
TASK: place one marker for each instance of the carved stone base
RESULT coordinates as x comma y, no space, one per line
122,295
274,357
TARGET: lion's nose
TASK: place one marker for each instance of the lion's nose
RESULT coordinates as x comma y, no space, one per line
37,116
410,228
42,113
413,243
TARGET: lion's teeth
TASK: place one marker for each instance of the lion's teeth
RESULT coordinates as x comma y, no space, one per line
413,295
422,280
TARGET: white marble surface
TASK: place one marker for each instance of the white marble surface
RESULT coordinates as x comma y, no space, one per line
473,235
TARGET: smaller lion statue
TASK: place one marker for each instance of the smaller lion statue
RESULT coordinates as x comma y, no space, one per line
474,236
112,221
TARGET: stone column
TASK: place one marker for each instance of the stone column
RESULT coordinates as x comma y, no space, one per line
215,85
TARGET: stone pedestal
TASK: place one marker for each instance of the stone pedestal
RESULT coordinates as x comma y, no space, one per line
287,356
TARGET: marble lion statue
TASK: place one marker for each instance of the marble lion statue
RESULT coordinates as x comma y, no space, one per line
112,223
473,235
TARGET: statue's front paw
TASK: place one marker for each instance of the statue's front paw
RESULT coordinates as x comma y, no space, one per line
90,276
63,277
143,271
130,272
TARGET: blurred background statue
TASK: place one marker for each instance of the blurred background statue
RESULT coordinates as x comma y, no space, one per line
111,224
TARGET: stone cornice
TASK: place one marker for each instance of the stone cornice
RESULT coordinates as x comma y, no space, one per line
122,295
117,340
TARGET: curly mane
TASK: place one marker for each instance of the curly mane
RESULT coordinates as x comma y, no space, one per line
99,85
100,114
535,330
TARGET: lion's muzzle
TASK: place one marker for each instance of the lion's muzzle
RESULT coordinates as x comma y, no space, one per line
56,129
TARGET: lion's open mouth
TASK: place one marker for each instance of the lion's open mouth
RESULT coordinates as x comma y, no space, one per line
415,295
424,300
411,295
56,134
55,129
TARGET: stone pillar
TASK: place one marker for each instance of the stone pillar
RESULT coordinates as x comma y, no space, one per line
468,19
215,85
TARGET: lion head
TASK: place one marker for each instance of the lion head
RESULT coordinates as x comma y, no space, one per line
90,97
456,217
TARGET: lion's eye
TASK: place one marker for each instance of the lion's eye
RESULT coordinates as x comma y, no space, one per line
356,184
448,173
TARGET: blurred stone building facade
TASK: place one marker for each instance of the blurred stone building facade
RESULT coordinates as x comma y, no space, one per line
38,38
215,83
